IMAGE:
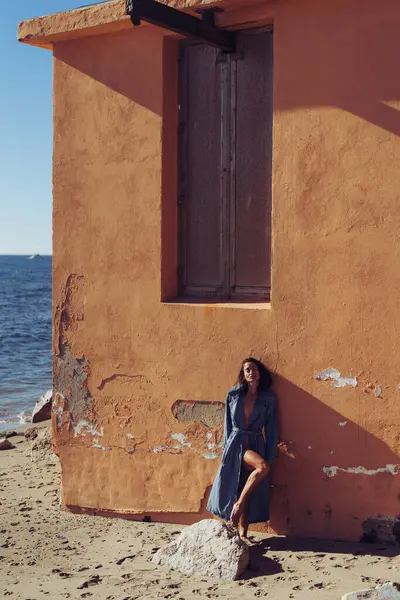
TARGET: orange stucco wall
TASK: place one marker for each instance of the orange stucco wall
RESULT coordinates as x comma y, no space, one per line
123,357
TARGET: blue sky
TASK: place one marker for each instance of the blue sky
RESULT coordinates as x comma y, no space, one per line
26,131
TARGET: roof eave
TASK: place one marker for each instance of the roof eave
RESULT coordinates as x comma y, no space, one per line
95,19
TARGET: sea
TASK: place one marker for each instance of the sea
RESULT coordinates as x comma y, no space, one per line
25,336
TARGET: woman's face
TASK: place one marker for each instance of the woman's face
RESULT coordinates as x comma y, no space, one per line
251,373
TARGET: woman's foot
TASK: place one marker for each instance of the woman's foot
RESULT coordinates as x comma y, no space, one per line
243,534
236,513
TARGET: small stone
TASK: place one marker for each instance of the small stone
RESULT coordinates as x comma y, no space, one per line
124,558
31,433
8,434
207,548
93,580
5,444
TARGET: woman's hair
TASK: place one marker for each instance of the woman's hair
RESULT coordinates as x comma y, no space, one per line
265,381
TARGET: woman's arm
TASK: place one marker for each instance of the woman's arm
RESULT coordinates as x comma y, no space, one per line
227,420
271,431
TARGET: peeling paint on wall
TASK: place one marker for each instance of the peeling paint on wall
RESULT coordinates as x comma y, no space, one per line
57,408
287,448
122,376
333,471
210,445
100,447
183,443
70,373
70,311
179,437
210,455
342,423
59,414
85,427
378,391
210,414
70,376
337,380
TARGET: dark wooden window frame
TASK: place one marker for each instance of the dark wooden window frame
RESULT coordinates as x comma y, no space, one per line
226,291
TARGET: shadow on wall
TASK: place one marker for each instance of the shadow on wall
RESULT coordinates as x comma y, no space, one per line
331,474
129,63
348,59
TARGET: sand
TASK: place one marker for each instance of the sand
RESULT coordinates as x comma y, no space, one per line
45,552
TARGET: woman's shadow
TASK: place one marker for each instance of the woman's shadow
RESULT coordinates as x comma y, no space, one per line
261,565
331,474
330,477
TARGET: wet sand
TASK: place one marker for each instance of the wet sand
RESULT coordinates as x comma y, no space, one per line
45,552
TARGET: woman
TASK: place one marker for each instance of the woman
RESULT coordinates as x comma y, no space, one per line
240,490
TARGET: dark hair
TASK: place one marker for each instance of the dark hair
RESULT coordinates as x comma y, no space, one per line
265,381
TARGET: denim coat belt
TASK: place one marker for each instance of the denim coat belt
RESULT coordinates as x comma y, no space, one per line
245,431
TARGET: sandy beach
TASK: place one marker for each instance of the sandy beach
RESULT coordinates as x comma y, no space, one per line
45,552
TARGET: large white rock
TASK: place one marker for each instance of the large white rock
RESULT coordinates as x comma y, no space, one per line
42,410
389,591
207,548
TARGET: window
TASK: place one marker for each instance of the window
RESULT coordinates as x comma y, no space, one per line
225,166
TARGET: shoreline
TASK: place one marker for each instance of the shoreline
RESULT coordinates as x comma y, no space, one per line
20,428
17,425
48,552
22,425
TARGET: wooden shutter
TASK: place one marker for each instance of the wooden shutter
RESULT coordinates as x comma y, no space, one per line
225,168
202,196
251,189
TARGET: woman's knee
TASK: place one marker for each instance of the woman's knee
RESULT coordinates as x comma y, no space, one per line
263,468
251,458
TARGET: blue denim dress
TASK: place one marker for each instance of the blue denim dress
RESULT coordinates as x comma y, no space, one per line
262,437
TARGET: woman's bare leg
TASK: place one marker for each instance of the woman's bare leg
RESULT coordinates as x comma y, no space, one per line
260,469
243,524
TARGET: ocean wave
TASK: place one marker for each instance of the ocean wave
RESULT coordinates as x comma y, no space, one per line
21,417
25,416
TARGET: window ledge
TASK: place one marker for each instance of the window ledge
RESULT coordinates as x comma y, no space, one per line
247,305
